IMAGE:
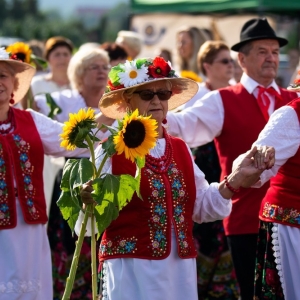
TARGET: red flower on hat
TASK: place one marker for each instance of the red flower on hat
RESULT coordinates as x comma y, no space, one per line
159,68
113,88
297,81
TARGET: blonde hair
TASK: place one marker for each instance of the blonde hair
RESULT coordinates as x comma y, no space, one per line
198,37
208,52
132,39
80,61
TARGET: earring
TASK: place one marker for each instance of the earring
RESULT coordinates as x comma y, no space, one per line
12,101
164,121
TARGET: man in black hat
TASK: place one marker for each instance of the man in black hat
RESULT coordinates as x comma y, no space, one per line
233,117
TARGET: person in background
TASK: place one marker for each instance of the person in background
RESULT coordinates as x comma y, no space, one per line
25,136
89,45
88,70
238,71
116,53
188,42
165,54
131,41
38,48
148,251
58,52
234,116
216,277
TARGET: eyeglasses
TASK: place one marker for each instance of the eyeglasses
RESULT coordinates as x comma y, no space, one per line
148,95
225,61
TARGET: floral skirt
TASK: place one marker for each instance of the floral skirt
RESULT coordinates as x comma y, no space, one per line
215,272
267,281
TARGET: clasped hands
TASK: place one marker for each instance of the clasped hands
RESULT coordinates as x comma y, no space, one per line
253,163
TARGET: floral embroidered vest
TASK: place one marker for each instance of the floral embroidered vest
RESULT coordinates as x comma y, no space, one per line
143,227
243,121
22,159
282,201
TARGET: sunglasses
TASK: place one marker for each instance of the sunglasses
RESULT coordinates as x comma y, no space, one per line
225,61
148,95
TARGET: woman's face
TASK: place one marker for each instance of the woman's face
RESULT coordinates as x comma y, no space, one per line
59,58
155,107
96,74
7,81
222,67
184,45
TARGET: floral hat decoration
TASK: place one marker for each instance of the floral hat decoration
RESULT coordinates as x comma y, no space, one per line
139,72
23,73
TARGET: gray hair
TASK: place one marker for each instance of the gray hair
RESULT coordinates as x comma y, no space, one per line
80,61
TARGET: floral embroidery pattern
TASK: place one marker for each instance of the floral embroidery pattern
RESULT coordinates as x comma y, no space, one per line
118,246
180,197
158,221
4,209
285,215
27,170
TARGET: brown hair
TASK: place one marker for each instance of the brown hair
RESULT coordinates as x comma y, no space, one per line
57,41
208,52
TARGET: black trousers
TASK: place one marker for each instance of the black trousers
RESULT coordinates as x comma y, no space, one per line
243,252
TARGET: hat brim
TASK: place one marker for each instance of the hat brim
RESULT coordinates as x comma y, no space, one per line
282,42
114,106
23,73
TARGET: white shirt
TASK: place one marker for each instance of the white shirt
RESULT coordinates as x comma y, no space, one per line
206,117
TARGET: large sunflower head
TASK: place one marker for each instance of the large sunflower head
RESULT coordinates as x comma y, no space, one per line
136,135
20,51
77,128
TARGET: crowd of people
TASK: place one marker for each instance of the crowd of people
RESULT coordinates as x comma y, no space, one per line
220,216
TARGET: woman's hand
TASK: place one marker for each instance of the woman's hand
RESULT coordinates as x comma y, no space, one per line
86,195
264,158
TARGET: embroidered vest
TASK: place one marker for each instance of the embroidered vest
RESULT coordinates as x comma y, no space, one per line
282,201
143,227
243,121
21,159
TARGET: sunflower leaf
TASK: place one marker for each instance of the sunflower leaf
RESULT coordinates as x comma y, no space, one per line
110,128
109,146
54,108
140,163
85,172
65,181
68,208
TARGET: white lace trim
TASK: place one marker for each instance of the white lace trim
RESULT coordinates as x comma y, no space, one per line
104,284
19,286
276,253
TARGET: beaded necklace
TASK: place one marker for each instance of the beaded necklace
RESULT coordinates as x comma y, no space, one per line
161,164
9,121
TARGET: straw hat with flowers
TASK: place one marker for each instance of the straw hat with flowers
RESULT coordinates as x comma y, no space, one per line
140,72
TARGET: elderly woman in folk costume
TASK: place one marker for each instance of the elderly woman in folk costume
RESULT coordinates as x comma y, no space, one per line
25,136
148,251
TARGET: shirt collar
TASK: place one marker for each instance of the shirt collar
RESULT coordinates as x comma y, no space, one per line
250,84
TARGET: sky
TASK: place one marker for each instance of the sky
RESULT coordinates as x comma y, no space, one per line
69,5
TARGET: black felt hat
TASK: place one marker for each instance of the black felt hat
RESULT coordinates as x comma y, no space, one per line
257,29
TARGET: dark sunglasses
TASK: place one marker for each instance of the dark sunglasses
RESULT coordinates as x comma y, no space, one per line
148,95
225,61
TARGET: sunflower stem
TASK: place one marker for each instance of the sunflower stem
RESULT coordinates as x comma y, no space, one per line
72,274
101,165
94,259
91,147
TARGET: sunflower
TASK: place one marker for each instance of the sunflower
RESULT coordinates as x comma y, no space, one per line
21,51
136,135
191,75
77,128
132,74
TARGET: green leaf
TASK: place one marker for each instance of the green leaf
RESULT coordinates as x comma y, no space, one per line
109,146
54,108
110,128
40,61
140,163
140,62
85,173
113,75
65,181
68,208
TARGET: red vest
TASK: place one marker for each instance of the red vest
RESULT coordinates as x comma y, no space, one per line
243,121
22,159
143,227
282,201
